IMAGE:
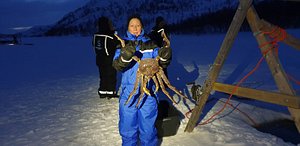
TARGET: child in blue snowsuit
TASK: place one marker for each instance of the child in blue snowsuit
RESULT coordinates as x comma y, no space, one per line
137,123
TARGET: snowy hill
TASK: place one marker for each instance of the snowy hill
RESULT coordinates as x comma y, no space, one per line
83,20
196,15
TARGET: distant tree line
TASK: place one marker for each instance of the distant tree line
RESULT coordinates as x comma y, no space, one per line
282,13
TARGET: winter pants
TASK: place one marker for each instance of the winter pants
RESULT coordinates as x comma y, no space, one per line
138,123
107,74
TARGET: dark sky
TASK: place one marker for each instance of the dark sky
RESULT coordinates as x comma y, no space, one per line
17,15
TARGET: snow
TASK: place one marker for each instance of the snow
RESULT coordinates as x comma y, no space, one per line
48,93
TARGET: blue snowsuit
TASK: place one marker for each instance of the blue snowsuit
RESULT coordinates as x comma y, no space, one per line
137,123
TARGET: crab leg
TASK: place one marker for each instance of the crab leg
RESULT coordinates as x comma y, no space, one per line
140,99
143,84
136,59
163,76
164,89
136,84
156,83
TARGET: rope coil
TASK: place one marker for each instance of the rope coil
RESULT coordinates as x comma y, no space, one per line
277,34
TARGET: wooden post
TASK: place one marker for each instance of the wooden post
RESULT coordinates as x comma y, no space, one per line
266,96
231,34
273,63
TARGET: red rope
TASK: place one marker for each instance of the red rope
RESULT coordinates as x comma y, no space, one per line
234,90
245,114
275,38
276,35
293,79
227,101
187,113
232,106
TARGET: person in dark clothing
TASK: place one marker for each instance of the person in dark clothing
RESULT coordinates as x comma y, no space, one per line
105,44
159,31
160,35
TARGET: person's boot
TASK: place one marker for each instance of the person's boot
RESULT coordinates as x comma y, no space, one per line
101,95
114,95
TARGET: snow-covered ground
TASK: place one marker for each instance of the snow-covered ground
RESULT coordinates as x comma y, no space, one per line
48,93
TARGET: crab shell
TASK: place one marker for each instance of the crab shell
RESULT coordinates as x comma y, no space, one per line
149,67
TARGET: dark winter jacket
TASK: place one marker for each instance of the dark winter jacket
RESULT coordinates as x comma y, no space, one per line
143,46
156,35
105,44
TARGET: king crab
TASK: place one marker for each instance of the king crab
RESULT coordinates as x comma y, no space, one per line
150,69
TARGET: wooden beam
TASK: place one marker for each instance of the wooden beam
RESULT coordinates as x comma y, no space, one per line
274,64
289,40
231,34
270,97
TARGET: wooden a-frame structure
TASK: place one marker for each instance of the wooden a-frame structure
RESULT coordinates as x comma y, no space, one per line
286,97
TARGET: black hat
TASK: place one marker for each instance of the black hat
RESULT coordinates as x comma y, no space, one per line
159,19
104,24
136,16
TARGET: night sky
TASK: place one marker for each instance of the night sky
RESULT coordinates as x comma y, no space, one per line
19,15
